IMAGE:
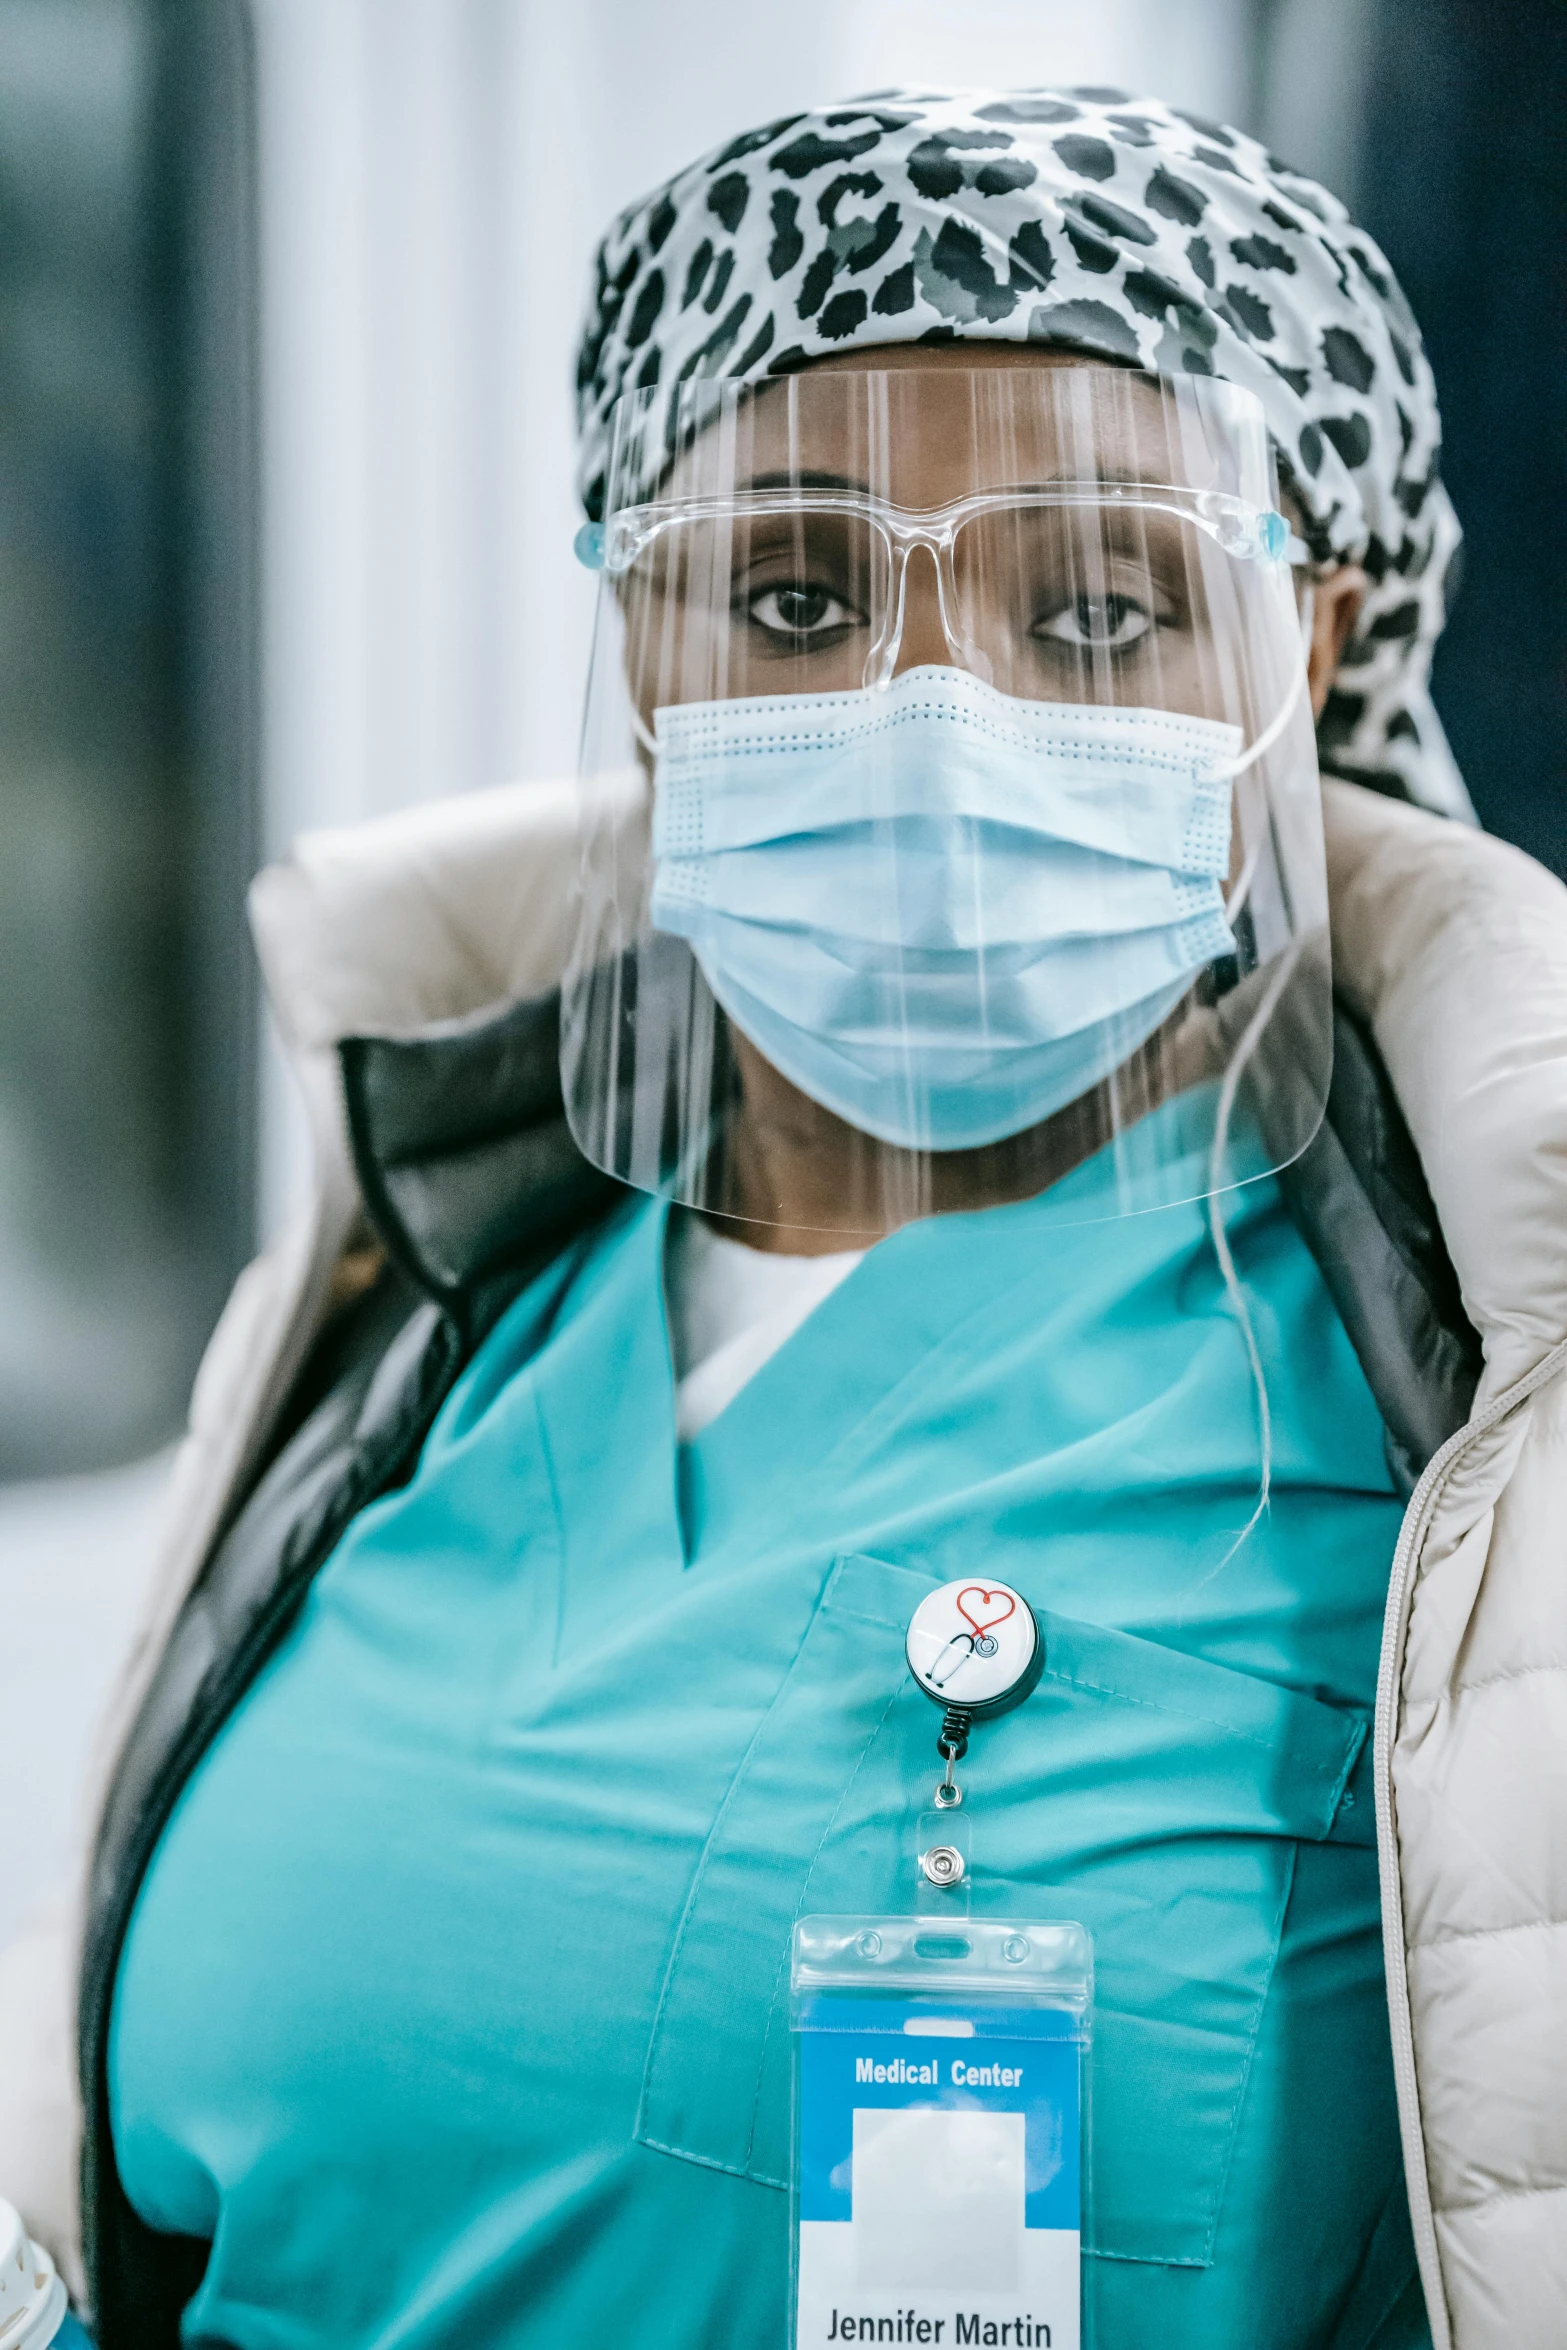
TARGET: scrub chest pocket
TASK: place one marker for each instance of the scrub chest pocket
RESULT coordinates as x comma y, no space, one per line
1155,1796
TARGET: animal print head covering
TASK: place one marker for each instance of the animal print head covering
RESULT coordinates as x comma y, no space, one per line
1121,227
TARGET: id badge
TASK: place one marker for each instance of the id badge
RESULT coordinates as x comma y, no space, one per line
939,2138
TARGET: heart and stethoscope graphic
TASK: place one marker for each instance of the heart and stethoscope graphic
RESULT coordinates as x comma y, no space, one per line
1002,1604
976,1645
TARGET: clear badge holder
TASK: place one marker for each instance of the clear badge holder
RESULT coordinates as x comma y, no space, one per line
939,2131
940,2092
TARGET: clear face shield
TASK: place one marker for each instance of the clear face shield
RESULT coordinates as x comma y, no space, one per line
950,807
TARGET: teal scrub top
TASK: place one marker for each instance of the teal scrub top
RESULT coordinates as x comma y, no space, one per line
454,2006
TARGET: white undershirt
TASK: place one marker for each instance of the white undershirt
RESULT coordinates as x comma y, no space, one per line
730,1309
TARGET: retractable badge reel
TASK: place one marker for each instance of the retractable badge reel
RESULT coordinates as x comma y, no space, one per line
940,2063
975,1650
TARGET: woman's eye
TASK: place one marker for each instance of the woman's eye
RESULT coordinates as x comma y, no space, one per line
1100,623
795,608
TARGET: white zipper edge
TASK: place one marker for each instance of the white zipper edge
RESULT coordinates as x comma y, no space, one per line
1390,1673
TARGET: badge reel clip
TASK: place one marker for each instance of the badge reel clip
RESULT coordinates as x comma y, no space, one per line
976,1651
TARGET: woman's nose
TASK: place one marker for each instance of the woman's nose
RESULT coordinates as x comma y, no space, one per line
923,637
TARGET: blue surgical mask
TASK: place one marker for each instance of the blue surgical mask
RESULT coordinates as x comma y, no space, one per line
942,912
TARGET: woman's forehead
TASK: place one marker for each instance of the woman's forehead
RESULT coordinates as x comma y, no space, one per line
928,428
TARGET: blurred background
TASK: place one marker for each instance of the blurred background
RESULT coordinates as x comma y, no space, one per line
288,297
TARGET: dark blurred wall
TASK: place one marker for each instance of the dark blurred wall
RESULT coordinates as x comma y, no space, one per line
1443,125
1463,181
127,711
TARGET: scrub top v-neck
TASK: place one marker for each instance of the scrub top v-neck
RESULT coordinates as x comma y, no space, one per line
453,2007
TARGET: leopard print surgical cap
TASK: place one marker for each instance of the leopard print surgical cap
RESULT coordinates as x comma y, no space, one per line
1119,227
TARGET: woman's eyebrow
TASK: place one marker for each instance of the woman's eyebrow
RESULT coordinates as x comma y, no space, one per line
812,478
808,478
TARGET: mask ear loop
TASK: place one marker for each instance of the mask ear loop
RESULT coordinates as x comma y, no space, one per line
1270,733
643,732
1251,1036
1243,881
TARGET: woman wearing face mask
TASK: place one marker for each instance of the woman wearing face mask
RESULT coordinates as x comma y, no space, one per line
963,1158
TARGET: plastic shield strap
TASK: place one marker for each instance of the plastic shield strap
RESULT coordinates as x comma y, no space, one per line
950,810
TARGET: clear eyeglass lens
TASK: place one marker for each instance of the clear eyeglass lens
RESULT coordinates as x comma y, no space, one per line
721,607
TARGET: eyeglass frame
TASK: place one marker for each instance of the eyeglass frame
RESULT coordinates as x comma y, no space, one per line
1239,529
1247,532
